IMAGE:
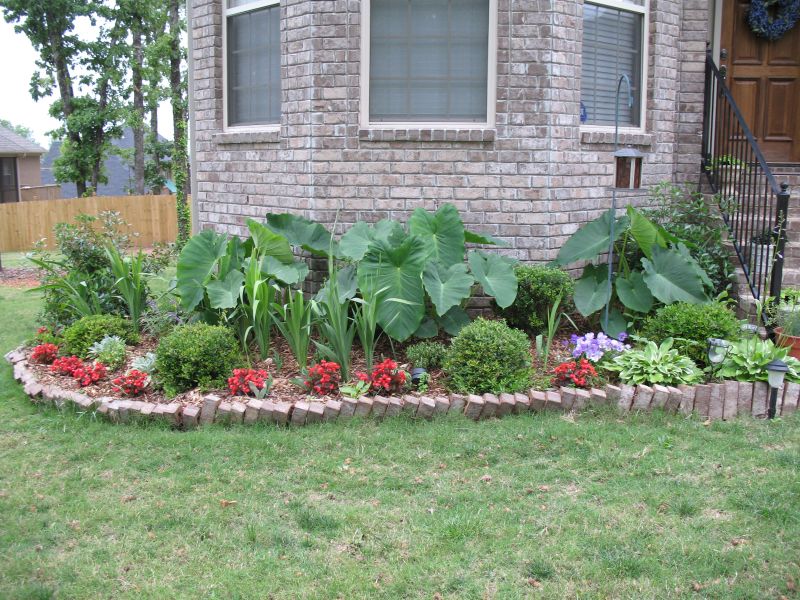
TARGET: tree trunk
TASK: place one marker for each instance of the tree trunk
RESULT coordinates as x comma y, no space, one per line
66,92
156,191
138,110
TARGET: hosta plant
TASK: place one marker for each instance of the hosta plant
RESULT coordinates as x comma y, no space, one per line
747,360
655,364
651,265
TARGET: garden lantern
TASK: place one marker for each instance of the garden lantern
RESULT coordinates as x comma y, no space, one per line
717,350
629,168
750,330
776,371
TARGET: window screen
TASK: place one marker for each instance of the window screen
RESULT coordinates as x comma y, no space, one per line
8,179
612,46
429,60
254,67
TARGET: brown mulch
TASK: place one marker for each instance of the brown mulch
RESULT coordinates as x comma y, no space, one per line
281,366
19,277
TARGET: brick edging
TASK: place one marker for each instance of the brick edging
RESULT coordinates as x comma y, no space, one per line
714,401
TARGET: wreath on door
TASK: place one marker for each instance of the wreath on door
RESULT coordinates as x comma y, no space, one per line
773,28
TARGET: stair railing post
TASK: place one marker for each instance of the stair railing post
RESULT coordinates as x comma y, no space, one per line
781,222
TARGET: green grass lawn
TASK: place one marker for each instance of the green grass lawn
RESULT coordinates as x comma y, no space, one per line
535,506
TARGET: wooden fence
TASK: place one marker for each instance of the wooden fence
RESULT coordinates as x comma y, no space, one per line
22,224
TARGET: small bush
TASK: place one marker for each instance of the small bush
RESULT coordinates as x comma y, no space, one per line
80,336
110,351
195,355
426,355
538,287
690,326
488,356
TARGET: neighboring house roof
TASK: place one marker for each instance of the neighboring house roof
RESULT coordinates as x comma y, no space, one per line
13,143
119,173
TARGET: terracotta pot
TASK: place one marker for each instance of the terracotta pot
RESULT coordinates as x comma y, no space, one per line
789,341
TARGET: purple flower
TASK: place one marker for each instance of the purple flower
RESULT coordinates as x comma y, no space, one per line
594,347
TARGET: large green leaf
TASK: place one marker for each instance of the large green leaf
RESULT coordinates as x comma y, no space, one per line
592,291
671,277
447,287
473,237
646,233
616,322
269,243
427,329
195,265
299,231
633,292
442,231
591,239
224,293
290,274
397,271
356,240
496,275
454,320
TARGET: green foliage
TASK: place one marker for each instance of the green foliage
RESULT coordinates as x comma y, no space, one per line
747,360
162,315
110,351
365,318
690,326
544,345
130,283
81,335
196,355
426,355
654,364
295,319
686,215
488,356
652,265
537,289
145,364
420,270
334,324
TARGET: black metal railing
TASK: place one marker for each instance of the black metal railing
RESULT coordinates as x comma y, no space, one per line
753,205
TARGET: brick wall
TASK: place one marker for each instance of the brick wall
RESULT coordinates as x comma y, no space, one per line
532,180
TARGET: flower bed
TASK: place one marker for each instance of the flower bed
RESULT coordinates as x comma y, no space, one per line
716,401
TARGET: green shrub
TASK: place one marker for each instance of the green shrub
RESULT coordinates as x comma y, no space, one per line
80,336
538,287
196,355
426,355
690,326
747,360
488,356
655,364
110,351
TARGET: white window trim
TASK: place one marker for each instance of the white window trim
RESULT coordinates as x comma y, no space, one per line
643,10
229,12
491,82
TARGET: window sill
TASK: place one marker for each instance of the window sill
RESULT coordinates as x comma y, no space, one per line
626,138
248,137
426,134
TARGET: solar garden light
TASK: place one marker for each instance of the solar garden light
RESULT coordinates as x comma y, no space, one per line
776,371
717,350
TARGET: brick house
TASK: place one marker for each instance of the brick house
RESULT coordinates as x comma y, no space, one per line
503,107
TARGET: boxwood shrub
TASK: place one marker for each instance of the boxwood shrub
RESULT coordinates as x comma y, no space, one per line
690,326
196,355
488,356
83,333
538,287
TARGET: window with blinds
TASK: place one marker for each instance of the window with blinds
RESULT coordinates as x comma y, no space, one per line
253,64
8,180
429,60
612,46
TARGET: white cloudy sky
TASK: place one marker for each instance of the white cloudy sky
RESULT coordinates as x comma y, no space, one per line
16,104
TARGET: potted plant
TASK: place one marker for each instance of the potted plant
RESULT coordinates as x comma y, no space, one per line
760,252
785,318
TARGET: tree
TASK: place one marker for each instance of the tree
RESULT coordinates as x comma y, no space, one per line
178,96
20,130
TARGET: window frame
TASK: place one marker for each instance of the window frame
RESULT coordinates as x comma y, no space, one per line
644,10
491,82
230,12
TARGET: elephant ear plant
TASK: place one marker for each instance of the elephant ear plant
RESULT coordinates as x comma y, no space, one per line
651,266
417,275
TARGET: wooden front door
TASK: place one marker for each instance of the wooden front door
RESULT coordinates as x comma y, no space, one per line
764,78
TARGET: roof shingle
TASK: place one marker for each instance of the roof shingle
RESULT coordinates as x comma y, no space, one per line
12,143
